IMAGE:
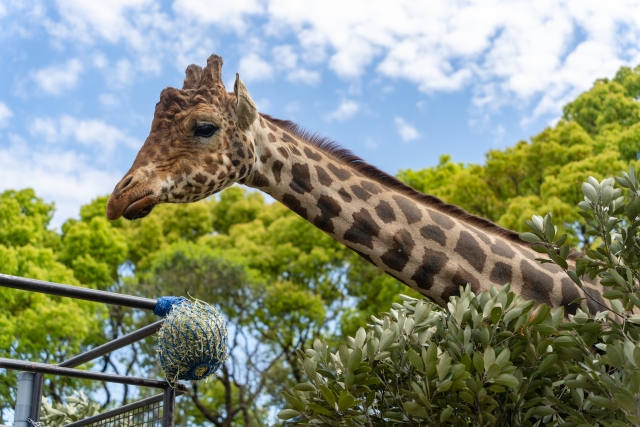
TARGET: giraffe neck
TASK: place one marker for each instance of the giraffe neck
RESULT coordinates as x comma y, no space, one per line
418,242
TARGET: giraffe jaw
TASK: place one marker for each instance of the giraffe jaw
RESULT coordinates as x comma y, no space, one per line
140,208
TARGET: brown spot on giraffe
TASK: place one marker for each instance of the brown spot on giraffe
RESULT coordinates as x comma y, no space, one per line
295,205
344,195
385,212
287,138
408,208
435,233
339,173
323,176
260,180
283,151
501,273
329,209
500,248
432,263
312,154
569,293
363,229
301,179
399,254
470,250
537,284
276,170
200,178
360,192
441,220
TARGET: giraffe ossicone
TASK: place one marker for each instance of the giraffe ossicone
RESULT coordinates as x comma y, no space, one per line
203,139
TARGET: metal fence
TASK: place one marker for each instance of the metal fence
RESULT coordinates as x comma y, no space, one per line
155,411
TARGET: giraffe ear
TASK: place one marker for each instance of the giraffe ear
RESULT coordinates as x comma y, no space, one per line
245,107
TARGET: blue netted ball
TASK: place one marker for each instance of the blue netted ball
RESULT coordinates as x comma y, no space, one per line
192,341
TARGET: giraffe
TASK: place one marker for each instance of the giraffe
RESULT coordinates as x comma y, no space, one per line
203,139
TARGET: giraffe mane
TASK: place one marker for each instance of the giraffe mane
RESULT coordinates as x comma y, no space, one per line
347,157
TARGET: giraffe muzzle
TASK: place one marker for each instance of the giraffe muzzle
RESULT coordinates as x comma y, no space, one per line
130,207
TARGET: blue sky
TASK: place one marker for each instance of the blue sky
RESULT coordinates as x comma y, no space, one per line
398,82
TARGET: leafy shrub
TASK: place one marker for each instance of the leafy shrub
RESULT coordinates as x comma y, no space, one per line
78,407
494,359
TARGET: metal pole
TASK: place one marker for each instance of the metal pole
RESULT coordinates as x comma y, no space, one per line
89,375
168,407
24,401
76,292
112,345
36,400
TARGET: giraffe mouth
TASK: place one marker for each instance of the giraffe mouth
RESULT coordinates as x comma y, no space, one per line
141,207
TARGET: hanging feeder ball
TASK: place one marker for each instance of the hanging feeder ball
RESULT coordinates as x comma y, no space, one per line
192,341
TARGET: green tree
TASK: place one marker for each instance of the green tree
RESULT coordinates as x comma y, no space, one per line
35,326
597,136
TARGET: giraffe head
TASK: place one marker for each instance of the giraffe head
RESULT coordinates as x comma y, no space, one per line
199,144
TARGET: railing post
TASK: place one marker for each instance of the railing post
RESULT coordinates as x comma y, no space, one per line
168,406
36,399
24,402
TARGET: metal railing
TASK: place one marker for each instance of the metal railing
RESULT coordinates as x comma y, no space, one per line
146,412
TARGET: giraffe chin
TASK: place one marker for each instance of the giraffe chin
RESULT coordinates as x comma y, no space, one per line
140,208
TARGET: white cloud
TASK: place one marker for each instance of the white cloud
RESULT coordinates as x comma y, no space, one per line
346,110
254,68
406,131
91,133
109,100
65,177
507,51
5,114
44,128
56,79
301,75
224,13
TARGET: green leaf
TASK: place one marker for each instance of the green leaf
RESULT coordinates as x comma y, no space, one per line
310,366
317,408
489,357
354,359
547,362
287,414
493,371
529,237
512,314
304,387
590,192
601,402
415,360
446,414
617,277
361,335
507,380
478,361
415,410
328,395
503,358
387,338
346,402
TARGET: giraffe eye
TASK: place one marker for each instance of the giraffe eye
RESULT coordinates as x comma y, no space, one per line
205,130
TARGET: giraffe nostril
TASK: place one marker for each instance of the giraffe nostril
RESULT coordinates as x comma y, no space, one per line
126,182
